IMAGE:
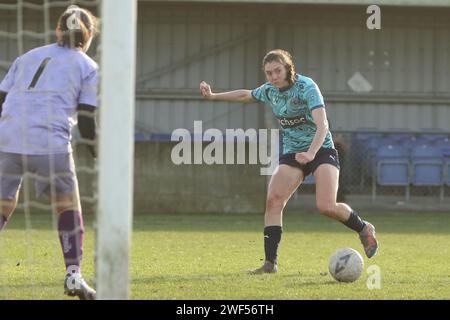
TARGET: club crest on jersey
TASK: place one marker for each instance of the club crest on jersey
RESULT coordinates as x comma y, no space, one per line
291,122
295,102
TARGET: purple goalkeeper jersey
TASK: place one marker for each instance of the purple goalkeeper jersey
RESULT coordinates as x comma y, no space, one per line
44,88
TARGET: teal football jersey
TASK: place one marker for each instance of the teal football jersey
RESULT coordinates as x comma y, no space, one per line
293,109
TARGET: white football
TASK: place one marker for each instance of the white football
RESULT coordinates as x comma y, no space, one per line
346,265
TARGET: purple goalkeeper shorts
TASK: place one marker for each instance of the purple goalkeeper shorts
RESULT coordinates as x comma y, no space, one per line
53,174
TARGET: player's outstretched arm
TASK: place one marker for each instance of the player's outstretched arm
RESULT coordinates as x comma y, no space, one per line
242,95
2,99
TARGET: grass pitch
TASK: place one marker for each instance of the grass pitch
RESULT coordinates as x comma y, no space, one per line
207,257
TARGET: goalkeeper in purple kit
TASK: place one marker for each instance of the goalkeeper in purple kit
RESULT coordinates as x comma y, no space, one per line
43,96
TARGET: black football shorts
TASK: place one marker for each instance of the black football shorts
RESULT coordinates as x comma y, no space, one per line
324,155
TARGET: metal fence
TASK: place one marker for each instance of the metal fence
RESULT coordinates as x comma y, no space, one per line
408,166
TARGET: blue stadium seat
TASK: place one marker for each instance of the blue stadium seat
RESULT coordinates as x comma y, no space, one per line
421,141
392,168
443,143
362,137
372,151
427,166
400,138
364,156
411,143
432,138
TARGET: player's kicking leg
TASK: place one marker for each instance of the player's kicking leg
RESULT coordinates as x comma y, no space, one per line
283,184
327,178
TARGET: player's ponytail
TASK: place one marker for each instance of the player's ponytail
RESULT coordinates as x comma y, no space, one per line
285,58
77,27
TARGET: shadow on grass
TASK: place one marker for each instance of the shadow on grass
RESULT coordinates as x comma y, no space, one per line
238,277
177,279
310,283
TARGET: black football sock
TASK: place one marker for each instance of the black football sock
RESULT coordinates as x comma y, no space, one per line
272,238
354,222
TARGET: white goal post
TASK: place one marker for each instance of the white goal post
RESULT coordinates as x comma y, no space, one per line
116,147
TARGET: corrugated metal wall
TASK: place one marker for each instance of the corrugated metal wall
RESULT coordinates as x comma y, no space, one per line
181,46
407,62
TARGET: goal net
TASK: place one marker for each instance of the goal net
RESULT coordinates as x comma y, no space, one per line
32,260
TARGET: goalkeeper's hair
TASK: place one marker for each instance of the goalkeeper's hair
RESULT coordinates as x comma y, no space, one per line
77,26
283,57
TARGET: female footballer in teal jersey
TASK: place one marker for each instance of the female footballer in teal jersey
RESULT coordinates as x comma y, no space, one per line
298,105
